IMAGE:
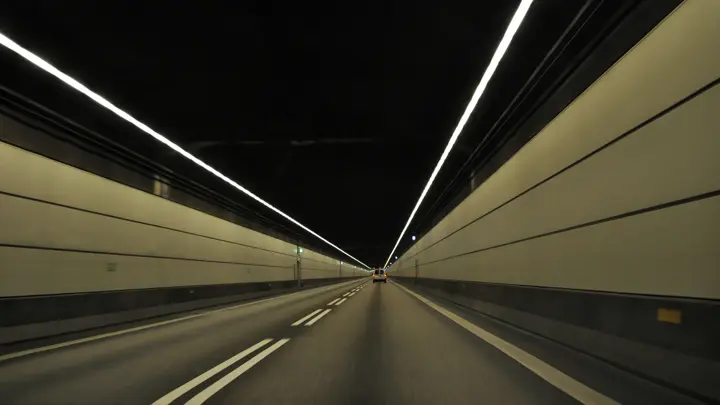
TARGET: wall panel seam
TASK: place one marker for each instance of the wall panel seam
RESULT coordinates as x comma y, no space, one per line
643,124
55,249
141,222
653,208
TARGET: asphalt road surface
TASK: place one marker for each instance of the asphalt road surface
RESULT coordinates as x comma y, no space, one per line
349,343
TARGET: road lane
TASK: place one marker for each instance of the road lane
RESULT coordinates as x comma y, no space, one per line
142,366
385,347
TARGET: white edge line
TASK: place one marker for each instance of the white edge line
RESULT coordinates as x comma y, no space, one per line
121,332
28,352
306,317
90,339
317,318
334,301
178,392
341,301
557,378
205,394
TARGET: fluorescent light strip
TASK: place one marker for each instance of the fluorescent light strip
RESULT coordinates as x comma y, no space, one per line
494,62
42,64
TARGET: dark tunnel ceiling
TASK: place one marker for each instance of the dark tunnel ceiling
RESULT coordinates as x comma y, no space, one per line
337,115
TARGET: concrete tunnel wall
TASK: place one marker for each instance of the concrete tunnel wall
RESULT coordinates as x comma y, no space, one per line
79,251
602,232
670,251
68,231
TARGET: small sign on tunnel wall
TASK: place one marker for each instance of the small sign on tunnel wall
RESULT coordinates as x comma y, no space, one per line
161,187
669,315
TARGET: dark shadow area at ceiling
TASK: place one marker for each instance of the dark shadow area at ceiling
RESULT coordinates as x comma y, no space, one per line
335,115
598,35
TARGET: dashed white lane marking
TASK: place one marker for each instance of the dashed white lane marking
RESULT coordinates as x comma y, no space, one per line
305,318
351,295
149,326
178,392
341,301
317,318
205,394
346,294
581,392
334,301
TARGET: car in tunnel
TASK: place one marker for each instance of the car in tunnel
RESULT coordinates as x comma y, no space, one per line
379,276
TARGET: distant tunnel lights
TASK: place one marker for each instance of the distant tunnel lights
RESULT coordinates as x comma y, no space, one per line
42,64
494,62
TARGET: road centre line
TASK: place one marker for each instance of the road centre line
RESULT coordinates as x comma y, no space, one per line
305,318
334,301
351,295
181,390
317,318
28,352
205,394
341,301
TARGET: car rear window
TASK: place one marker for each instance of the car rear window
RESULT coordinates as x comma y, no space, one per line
379,271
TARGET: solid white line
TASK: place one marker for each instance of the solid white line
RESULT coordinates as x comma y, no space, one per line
582,393
305,318
90,339
205,394
341,301
351,295
178,392
317,318
333,301
152,325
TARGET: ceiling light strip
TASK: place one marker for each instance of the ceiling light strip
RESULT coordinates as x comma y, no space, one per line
494,62
44,65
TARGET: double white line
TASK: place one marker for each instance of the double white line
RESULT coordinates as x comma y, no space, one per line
205,394
311,315
319,313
